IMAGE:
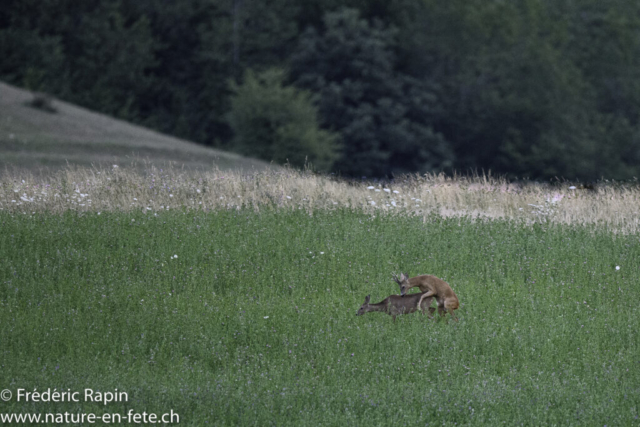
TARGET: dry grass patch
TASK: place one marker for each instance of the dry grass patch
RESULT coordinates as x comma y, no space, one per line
612,205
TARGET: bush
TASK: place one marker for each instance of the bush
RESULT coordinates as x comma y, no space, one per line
42,101
278,123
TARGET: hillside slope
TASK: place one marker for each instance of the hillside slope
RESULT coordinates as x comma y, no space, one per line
37,140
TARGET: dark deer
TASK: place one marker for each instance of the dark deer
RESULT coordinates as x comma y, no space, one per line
430,286
394,305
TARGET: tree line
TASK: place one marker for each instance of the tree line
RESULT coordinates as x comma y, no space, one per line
526,88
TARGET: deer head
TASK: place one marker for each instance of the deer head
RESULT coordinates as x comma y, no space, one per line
364,307
403,282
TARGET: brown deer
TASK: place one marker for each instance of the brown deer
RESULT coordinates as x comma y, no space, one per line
430,286
394,305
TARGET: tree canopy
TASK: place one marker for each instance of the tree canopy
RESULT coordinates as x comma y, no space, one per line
527,88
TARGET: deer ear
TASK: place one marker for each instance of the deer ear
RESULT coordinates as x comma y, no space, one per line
367,299
406,276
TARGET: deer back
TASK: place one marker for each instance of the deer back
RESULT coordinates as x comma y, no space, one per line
406,304
428,282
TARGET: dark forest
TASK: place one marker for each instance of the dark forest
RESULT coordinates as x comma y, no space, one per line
529,88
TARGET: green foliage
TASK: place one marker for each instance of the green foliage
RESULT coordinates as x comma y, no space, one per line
201,44
525,91
254,321
32,56
89,53
109,61
276,122
382,116
535,88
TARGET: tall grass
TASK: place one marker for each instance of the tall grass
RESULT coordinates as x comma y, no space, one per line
615,206
253,323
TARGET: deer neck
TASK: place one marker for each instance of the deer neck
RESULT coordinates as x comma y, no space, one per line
424,285
377,307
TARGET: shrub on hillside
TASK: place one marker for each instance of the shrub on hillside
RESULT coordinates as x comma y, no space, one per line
42,101
278,123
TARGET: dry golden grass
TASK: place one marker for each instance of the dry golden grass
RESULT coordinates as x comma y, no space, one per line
612,205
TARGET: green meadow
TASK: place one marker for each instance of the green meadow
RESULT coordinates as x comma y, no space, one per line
253,323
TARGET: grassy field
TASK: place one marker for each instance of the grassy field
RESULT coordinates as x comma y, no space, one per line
225,290
253,322
41,142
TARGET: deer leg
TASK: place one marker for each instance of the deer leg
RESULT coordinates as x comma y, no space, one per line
450,308
426,305
428,312
425,295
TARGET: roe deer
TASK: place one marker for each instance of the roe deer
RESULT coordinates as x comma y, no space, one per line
395,304
430,286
